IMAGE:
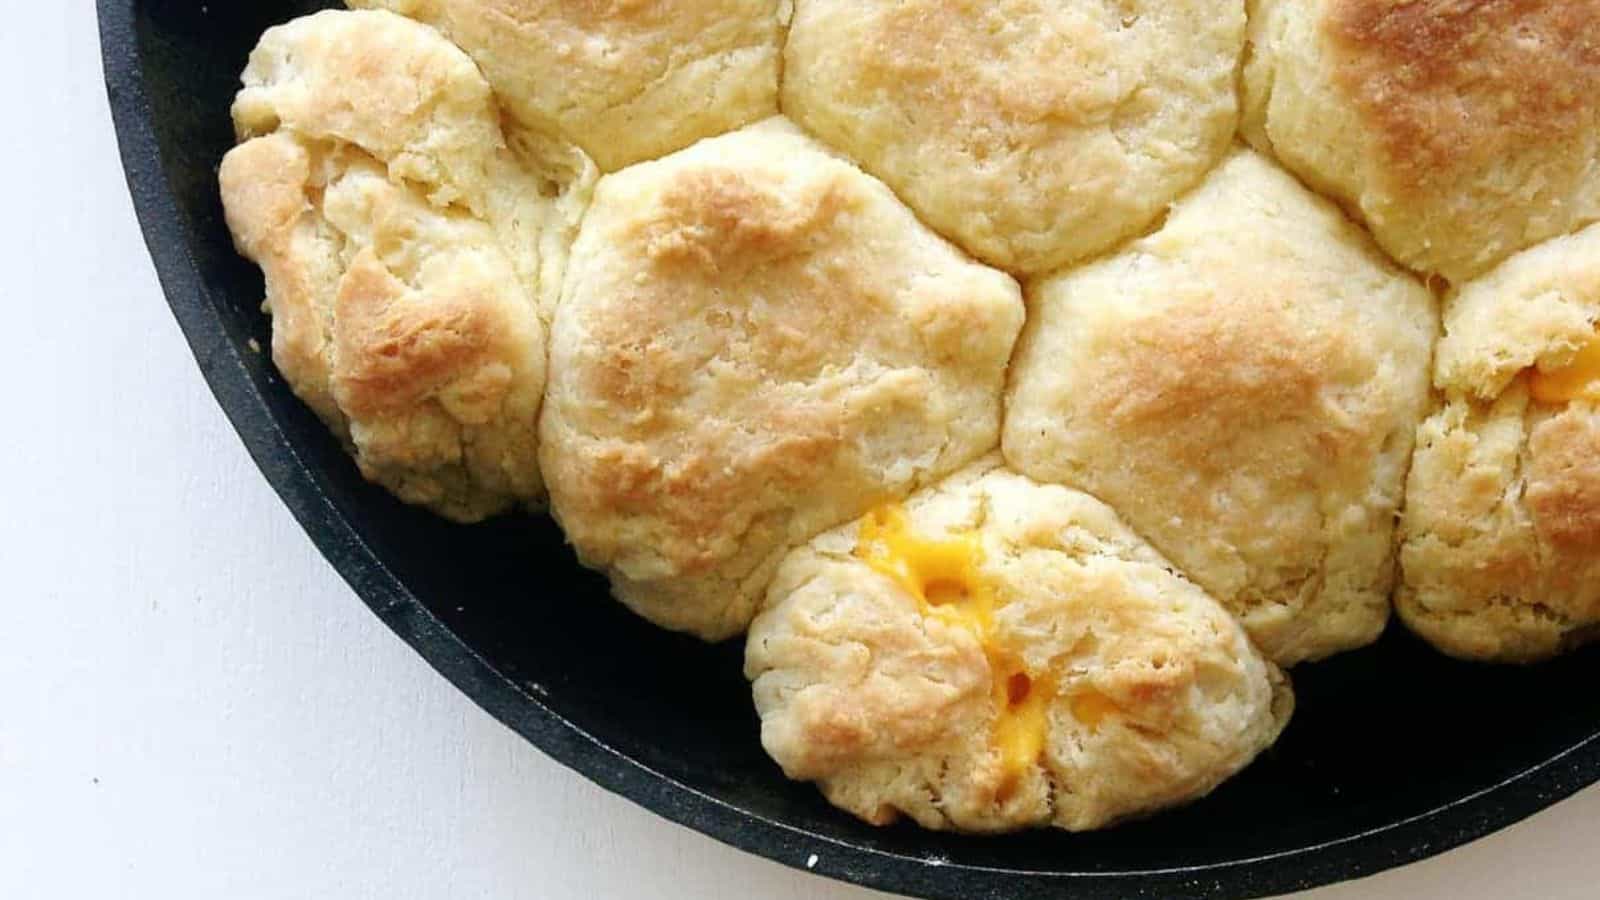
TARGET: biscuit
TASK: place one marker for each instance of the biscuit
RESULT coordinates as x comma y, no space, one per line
1031,132
401,94
1242,387
756,342
410,259
1000,654
1501,534
1460,132
627,80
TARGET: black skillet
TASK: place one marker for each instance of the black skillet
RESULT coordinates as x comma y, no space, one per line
1396,753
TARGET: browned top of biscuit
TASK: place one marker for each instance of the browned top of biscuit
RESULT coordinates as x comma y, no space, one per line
627,80
393,351
756,342
1202,372
1456,84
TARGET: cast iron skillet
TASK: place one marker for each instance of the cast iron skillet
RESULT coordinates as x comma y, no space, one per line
1396,753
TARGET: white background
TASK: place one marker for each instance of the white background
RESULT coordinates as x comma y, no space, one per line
193,705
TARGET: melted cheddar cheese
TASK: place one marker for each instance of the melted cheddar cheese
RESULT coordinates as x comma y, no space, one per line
1020,730
1579,379
1092,708
944,577
942,574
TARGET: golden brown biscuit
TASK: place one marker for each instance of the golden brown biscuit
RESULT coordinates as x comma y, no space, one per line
408,254
1461,132
399,93
627,80
1031,132
998,655
1242,387
756,342
1501,533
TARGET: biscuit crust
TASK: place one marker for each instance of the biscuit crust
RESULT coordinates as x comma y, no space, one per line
757,342
1242,387
1501,533
1157,695
1461,132
626,80
1031,132
410,257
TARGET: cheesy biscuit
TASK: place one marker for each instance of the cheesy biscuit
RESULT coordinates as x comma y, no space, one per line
757,342
998,654
1501,533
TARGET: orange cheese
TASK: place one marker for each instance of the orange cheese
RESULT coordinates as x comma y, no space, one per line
1092,708
941,573
1579,379
1020,730
944,575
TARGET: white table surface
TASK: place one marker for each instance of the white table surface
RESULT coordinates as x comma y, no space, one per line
193,705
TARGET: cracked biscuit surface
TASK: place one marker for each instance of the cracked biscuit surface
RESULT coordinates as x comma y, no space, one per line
756,342
1242,387
410,258
1001,654
1031,132
1461,132
627,80
1501,534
